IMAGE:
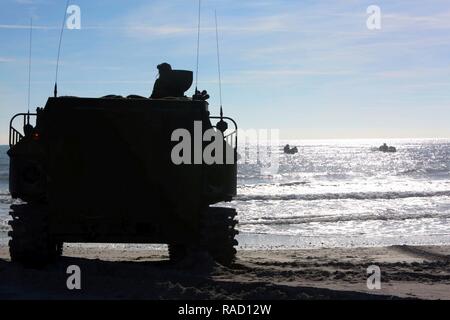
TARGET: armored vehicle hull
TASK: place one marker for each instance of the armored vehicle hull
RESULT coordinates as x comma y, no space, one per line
100,171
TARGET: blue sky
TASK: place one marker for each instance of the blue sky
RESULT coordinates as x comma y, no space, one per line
309,68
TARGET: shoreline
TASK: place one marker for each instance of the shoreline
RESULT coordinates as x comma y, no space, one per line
254,241
418,272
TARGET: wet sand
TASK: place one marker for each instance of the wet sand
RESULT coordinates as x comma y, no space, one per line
406,272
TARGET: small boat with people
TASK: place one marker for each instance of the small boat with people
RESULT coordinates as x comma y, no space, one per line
386,148
288,150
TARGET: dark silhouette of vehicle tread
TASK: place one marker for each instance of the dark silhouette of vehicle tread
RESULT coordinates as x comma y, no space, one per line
31,244
217,237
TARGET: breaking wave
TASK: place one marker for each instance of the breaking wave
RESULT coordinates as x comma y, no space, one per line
340,218
4,225
343,196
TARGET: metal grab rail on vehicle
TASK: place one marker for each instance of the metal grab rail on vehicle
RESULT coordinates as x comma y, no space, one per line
230,138
14,135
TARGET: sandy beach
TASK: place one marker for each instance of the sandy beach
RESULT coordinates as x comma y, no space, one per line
406,272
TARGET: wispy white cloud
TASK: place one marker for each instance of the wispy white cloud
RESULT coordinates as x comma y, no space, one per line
7,60
32,2
25,1
329,19
409,73
23,26
427,85
395,21
296,72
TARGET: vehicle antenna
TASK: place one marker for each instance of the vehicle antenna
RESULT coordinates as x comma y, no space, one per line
198,42
218,66
29,69
55,91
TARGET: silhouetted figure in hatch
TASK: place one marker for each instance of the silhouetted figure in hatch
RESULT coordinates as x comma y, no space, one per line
171,83
164,86
161,89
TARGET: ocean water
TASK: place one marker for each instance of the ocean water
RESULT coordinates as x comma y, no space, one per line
341,193
5,199
336,193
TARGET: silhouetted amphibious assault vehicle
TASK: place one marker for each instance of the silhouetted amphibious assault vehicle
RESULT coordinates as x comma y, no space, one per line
100,170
